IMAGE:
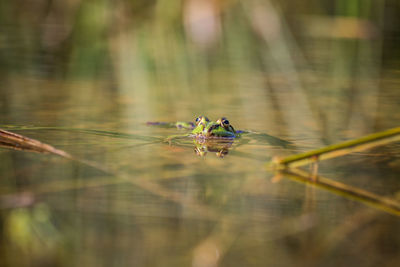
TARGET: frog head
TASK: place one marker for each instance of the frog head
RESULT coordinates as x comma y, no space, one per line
219,128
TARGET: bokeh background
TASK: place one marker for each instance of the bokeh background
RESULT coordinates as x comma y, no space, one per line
311,72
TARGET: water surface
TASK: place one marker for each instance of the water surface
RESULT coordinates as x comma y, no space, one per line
128,198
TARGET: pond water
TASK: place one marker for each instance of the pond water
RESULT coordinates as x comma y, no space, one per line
130,198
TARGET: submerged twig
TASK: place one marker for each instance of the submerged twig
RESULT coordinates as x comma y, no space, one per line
20,142
340,149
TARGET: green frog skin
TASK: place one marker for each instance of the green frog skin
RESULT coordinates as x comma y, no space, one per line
220,128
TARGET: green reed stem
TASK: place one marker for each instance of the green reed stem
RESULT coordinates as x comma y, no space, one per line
337,150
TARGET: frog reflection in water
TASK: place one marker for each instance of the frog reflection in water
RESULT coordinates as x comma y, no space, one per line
220,147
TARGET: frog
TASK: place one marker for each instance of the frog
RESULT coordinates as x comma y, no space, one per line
203,128
212,129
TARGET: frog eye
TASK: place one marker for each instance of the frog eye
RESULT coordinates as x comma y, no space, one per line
206,119
225,121
197,119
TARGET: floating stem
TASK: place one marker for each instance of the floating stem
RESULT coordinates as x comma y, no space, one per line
337,150
20,142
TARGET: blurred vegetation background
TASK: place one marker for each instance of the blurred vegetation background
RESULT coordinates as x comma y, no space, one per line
320,70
